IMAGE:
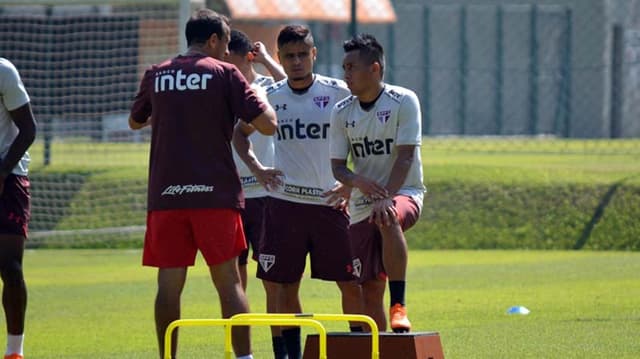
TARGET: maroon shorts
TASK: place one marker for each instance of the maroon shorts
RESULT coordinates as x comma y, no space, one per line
366,240
174,237
15,205
295,229
253,221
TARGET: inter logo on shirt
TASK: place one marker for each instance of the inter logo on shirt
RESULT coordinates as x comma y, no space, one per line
171,80
290,129
365,147
321,101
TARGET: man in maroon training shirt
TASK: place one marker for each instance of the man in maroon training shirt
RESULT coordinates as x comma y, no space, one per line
192,102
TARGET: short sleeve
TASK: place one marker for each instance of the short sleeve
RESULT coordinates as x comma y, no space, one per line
141,109
338,140
409,121
12,91
245,102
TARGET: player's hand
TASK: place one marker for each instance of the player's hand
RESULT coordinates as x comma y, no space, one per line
259,52
338,196
369,188
269,178
384,213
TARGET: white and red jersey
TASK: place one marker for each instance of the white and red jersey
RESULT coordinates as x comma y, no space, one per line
12,95
262,148
302,139
371,137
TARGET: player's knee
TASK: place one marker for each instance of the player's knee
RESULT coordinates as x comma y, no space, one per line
11,272
350,289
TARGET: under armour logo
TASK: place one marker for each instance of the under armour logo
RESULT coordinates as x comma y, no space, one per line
266,261
347,124
278,107
357,267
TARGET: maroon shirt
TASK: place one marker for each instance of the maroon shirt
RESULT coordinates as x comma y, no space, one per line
194,102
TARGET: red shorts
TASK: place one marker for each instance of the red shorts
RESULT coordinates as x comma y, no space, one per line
174,237
15,205
366,240
253,221
295,230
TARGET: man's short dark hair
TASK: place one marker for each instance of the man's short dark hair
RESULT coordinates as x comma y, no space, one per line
202,24
370,49
295,33
240,43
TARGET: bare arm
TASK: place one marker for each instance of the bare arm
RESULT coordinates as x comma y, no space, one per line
400,168
269,178
242,145
24,120
368,187
384,211
134,125
263,57
266,123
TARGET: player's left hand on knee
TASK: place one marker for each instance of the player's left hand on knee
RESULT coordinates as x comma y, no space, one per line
384,213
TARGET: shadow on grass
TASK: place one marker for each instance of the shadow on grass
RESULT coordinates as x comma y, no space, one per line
598,213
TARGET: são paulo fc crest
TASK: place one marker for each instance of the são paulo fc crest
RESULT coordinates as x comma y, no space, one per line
383,116
321,101
357,267
266,261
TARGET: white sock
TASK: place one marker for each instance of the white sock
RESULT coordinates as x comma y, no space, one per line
250,356
14,344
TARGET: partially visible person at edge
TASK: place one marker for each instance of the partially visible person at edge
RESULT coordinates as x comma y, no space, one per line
17,133
379,126
192,103
306,210
244,54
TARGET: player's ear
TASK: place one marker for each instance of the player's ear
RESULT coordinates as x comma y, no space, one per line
250,56
375,67
212,40
314,53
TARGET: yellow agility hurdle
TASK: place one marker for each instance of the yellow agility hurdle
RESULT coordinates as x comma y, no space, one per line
248,321
375,335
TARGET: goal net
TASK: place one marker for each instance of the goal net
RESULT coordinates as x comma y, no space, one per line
81,63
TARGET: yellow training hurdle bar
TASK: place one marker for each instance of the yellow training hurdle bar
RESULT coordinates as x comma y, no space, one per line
245,321
375,335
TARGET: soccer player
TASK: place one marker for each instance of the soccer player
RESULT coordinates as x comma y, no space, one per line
17,132
243,53
192,102
380,127
300,220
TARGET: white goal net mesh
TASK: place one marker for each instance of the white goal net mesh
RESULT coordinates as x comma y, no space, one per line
81,64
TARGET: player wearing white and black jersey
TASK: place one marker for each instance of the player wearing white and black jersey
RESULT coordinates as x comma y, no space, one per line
244,54
302,217
380,128
371,137
301,141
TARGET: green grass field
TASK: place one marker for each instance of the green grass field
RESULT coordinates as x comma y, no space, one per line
483,193
93,304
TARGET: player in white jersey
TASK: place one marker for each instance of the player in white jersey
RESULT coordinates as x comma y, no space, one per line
244,54
17,133
300,218
380,127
